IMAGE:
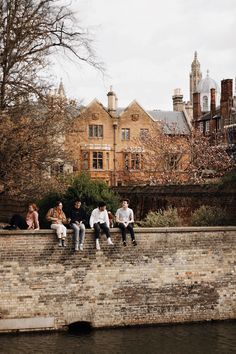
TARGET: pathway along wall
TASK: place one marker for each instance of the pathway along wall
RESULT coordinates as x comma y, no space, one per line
173,275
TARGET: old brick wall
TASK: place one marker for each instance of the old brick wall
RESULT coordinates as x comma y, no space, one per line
173,275
186,198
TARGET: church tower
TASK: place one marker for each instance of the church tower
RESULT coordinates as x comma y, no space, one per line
194,77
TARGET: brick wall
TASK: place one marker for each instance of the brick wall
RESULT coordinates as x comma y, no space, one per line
186,198
173,275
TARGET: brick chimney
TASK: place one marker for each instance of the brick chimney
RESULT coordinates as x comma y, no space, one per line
213,122
226,100
213,102
196,108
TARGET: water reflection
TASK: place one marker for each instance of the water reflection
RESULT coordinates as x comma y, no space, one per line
210,338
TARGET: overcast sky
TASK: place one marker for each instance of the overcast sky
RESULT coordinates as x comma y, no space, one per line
148,47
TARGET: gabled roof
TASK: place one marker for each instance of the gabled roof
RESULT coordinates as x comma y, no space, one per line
178,119
138,104
95,100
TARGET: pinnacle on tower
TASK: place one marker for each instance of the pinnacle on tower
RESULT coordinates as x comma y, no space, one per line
194,77
61,90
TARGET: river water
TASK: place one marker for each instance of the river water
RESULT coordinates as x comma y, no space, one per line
202,338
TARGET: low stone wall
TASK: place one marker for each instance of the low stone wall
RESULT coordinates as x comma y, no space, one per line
173,275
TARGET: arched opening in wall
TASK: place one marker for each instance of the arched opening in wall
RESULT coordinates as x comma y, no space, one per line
80,326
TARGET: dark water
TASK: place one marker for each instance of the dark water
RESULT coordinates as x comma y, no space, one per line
209,338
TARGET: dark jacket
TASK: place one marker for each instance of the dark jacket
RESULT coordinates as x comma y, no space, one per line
77,214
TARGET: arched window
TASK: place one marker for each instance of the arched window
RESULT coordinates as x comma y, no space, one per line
205,103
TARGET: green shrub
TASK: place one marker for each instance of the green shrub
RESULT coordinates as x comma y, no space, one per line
228,180
162,218
209,216
91,192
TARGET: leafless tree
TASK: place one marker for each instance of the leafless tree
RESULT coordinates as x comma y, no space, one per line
170,156
31,31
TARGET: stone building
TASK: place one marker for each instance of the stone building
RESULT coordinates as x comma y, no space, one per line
102,140
219,121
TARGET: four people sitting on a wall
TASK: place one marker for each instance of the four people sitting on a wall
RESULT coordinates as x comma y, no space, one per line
100,221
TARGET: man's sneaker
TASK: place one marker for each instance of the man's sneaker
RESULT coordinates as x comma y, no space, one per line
124,243
134,243
63,243
81,247
98,245
60,242
109,241
76,246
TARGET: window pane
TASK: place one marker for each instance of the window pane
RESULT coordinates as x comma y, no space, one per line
107,161
100,131
90,131
96,131
97,160
125,134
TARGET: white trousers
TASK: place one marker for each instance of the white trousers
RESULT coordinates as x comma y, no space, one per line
60,230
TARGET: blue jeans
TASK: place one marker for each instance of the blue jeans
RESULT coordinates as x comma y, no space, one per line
79,230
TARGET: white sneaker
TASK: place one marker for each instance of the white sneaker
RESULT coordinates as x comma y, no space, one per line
98,245
81,247
109,241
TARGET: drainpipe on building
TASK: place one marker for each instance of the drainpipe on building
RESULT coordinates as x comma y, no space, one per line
114,182
112,107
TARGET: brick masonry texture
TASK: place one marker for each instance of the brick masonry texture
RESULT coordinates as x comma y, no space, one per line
173,275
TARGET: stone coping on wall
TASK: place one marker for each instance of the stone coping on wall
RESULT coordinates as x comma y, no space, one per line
137,230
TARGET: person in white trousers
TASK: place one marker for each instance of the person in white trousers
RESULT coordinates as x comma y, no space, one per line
57,218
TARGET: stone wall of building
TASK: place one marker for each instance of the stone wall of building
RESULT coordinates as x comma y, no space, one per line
173,275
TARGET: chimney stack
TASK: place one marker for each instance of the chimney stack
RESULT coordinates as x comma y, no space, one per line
177,100
196,108
112,102
226,101
213,102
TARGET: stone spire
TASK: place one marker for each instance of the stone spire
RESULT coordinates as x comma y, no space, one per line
194,77
61,90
